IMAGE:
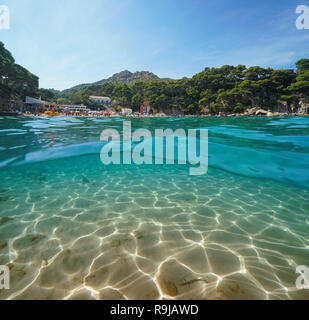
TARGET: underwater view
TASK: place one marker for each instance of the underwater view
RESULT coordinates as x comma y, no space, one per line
74,228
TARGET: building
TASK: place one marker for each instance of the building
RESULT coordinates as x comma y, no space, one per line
34,102
34,105
72,108
126,111
102,100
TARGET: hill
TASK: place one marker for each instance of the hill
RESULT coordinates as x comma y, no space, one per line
124,77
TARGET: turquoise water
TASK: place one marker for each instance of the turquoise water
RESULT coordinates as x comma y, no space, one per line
72,228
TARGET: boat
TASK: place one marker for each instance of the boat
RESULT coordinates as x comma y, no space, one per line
51,113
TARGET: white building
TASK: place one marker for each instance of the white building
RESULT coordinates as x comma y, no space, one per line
103,100
71,108
34,101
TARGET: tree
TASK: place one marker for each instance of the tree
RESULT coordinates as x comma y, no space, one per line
45,94
301,86
227,89
15,81
137,101
302,65
62,101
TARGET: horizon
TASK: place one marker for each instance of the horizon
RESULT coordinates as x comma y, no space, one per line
65,49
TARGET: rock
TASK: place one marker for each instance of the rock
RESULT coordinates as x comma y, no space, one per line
5,220
169,288
4,198
3,244
252,111
206,110
85,180
303,108
261,112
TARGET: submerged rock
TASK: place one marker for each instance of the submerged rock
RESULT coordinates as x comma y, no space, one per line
169,288
5,220
4,198
85,180
3,244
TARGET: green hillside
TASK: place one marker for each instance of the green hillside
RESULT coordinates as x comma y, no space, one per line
124,77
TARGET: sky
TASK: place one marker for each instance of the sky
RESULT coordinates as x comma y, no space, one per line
68,42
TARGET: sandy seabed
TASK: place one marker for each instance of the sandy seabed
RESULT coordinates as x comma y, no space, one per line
127,233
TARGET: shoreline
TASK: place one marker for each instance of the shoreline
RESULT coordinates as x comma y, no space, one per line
169,116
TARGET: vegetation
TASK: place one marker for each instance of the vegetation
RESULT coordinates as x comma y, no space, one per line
124,77
300,88
228,89
15,81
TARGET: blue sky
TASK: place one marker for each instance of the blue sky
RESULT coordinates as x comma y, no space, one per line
69,42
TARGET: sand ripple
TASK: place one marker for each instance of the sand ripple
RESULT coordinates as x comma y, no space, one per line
125,233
